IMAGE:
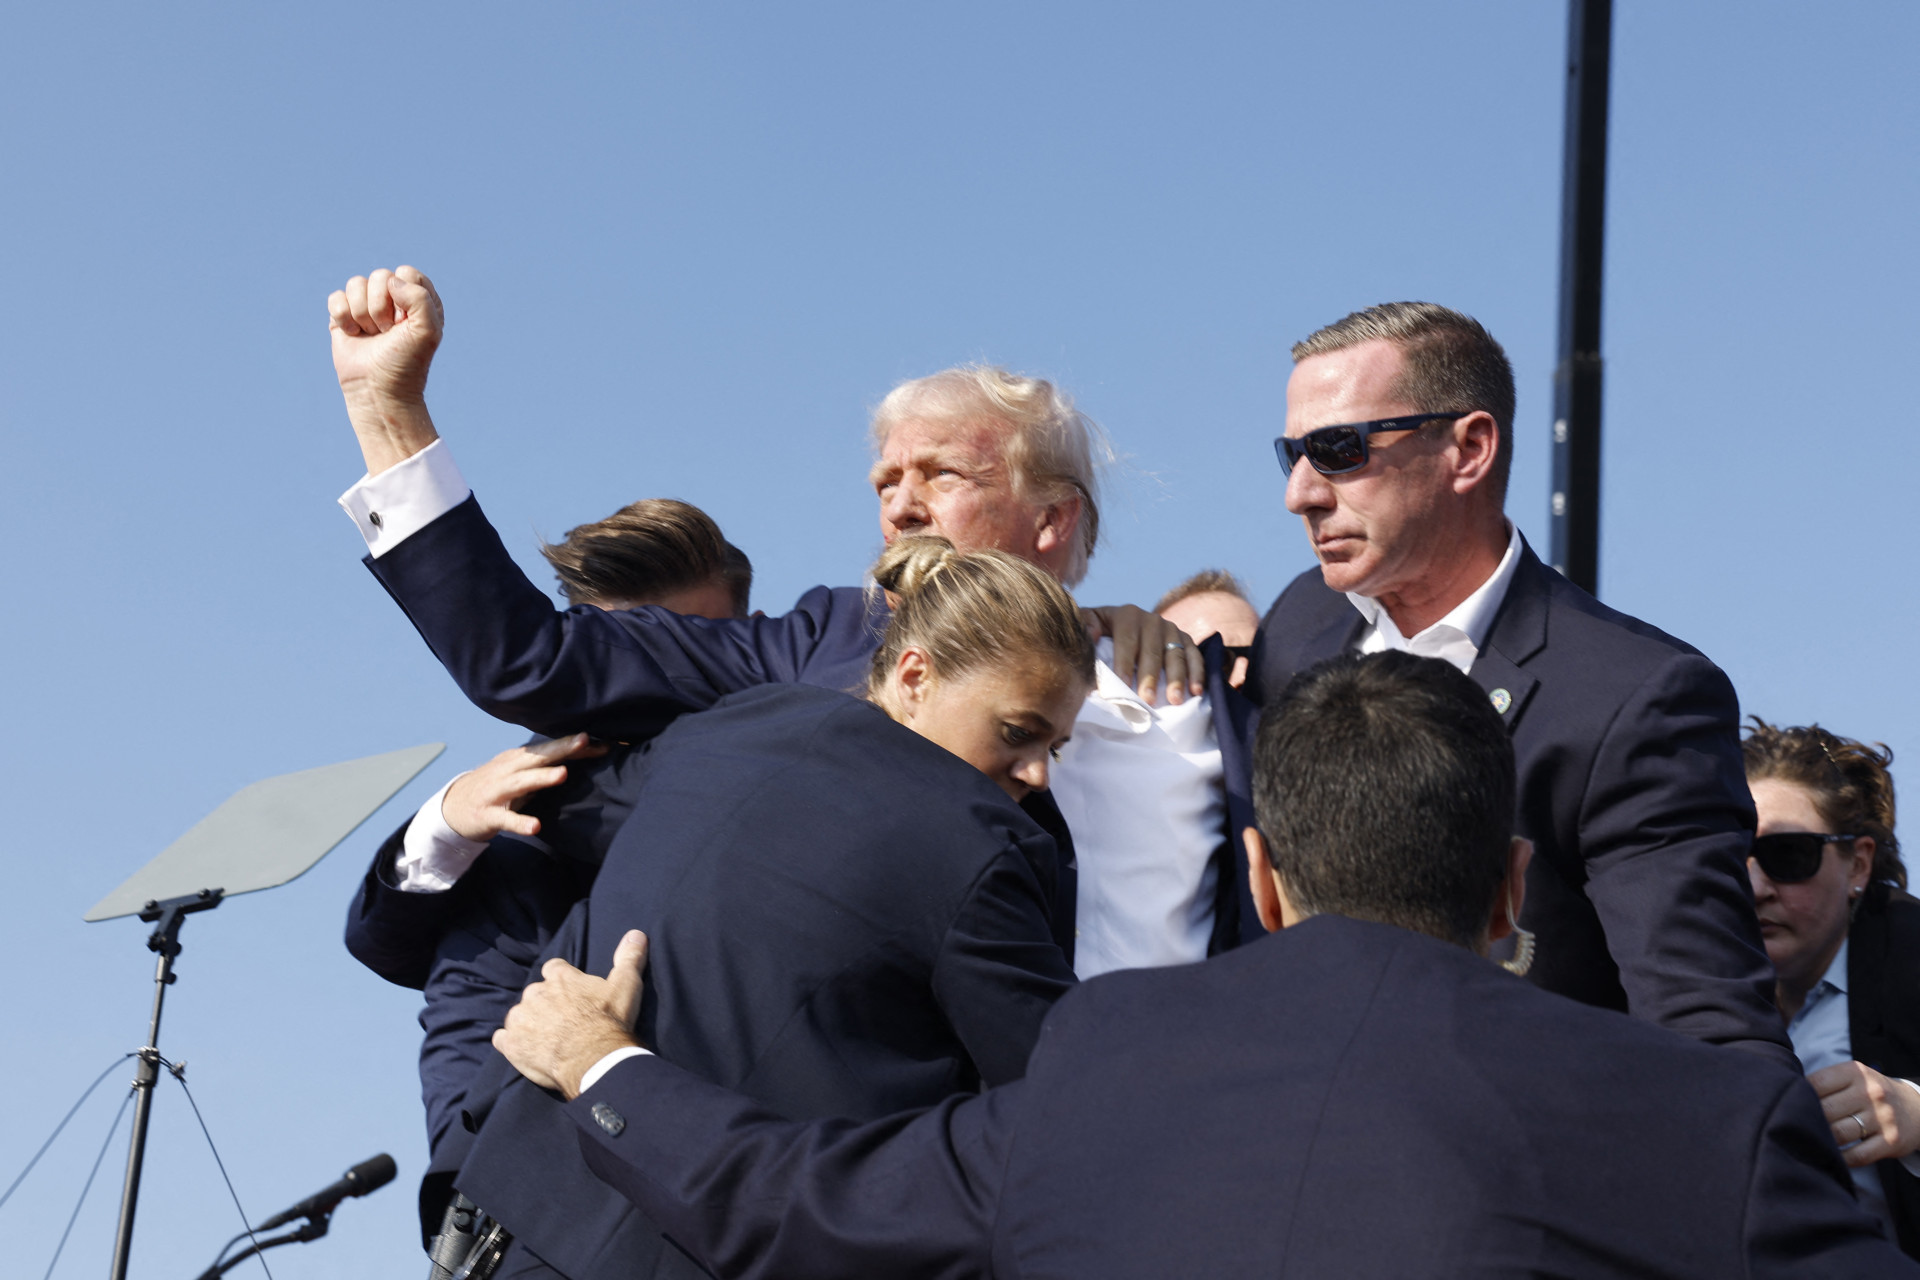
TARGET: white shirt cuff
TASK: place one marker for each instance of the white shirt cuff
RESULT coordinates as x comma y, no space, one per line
405,498
432,854
608,1063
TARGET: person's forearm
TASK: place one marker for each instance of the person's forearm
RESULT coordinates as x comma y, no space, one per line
753,1195
390,429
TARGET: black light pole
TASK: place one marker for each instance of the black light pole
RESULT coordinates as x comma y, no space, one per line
1583,226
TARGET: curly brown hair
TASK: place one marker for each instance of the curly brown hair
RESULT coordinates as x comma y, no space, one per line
1849,781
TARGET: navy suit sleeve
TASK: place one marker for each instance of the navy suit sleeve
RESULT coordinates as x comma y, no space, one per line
393,932
622,674
1665,826
999,970
752,1196
1802,1222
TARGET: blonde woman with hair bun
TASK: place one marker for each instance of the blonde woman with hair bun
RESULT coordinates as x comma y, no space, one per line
985,655
850,911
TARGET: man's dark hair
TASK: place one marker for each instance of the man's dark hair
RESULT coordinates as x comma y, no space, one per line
1451,362
645,551
1385,787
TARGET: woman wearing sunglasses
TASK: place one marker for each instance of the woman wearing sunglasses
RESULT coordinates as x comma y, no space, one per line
1844,937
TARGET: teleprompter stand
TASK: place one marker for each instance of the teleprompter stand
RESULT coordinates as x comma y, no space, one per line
264,835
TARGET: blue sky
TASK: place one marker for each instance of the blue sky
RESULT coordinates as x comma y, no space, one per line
684,250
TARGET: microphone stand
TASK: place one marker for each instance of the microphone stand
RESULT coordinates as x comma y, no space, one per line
312,1229
165,940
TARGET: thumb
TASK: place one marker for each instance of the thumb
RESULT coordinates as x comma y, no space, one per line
629,959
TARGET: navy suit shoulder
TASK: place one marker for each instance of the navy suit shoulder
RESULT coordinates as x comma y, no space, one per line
1883,1015
888,832
845,919
618,674
470,949
1374,1103
1310,622
1631,787
397,934
393,932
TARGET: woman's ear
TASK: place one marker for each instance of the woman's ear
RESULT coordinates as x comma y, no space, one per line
912,680
1860,869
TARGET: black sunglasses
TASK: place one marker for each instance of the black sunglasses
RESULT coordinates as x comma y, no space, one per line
1789,857
1338,449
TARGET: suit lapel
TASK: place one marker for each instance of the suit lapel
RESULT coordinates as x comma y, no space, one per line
1234,921
1338,637
1519,631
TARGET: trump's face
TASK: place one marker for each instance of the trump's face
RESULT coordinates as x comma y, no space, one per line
1378,530
951,479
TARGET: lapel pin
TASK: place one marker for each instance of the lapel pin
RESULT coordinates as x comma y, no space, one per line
1501,700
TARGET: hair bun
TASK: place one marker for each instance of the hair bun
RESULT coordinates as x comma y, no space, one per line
911,562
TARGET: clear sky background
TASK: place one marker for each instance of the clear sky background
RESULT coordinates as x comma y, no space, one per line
684,250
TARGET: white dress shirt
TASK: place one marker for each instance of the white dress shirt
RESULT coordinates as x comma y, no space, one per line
1143,791
1457,637
1141,786
432,854
405,498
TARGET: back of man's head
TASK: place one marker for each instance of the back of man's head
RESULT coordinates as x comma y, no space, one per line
1053,451
1451,363
1384,785
646,553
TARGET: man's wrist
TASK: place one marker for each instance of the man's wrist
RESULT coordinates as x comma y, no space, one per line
390,428
393,506
584,1065
433,856
607,1062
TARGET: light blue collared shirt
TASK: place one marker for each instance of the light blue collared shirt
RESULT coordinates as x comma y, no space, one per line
1822,1036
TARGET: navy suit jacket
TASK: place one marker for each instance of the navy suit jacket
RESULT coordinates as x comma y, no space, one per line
623,675
472,949
1631,788
847,920
1345,1099
1883,1020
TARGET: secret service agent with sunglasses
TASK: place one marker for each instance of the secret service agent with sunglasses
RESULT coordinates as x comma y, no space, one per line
1396,452
1844,935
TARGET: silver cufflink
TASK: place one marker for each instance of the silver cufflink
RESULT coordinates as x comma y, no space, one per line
608,1119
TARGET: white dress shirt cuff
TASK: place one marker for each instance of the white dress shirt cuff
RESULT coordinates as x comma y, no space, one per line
432,854
405,498
608,1063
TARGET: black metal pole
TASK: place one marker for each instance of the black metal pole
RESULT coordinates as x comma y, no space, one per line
143,1081
165,940
1583,217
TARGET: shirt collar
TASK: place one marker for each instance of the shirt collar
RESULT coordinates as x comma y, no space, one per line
1472,617
1836,974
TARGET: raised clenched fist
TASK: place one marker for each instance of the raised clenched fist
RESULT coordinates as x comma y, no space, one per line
385,328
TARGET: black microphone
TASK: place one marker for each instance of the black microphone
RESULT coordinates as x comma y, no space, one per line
368,1175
